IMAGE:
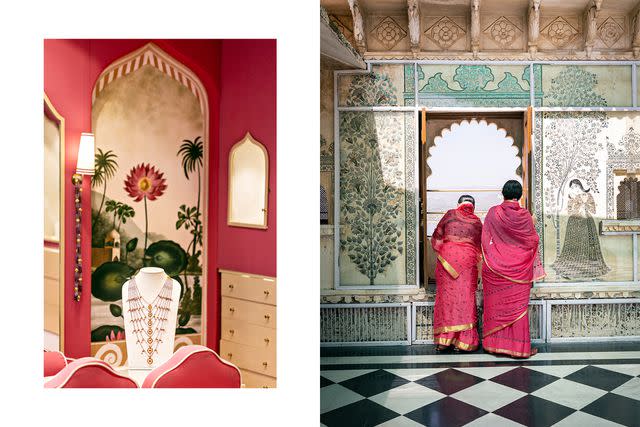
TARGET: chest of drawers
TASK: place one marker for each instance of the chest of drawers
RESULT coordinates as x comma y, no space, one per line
248,326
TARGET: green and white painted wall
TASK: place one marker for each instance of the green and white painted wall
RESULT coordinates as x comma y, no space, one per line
586,128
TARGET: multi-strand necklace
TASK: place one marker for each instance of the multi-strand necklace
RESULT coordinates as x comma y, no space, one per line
149,319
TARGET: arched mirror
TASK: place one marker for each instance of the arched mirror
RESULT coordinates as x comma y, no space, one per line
248,184
53,227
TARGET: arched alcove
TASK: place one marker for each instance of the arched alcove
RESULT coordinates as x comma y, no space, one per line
151,120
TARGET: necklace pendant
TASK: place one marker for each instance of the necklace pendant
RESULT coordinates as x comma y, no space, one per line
149,361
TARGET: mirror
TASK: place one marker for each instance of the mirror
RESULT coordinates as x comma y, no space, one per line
53,227
248,184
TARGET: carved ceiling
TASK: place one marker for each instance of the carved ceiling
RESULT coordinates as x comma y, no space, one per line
489,29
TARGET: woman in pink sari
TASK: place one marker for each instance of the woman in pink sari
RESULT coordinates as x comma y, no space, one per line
456,241
511,264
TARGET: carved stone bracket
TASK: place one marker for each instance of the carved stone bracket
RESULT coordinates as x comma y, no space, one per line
475,27
413,11
590,25
635,42
358,27
534,26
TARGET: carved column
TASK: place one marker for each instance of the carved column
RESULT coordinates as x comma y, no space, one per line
358,26
636,33
534,26
475,27
413,10
590,25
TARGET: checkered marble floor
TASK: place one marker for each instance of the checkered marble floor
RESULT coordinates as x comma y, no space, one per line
592,389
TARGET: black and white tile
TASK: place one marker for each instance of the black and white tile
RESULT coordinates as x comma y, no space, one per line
398,390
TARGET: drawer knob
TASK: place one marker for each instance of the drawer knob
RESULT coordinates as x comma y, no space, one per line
266,340
267,317
265,364
266,293
265,386
230,286
231,309
231,331
229,355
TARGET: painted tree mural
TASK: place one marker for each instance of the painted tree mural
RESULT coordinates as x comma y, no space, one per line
371,191
371,89
571,139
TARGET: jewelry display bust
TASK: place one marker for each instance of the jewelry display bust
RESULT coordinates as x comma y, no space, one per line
150,309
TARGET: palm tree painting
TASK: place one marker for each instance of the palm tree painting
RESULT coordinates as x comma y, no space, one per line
192,154
105,168
121,211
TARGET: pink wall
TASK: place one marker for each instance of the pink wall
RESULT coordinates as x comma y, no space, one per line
247,104
71,68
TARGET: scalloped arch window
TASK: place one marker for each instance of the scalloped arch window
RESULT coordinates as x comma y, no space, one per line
471,157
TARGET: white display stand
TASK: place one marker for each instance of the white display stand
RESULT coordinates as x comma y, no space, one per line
150,281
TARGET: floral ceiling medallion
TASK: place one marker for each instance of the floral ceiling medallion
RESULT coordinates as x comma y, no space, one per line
559,32
610,31
389,33
503,32
445,32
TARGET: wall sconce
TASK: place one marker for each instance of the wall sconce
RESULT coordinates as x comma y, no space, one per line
84,166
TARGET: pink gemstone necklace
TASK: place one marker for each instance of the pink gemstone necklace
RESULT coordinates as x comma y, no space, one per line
149,319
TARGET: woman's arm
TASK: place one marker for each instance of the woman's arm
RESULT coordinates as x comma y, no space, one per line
437,238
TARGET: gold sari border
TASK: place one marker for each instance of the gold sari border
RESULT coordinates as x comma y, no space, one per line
497,328
502,275
455,328
448,267
455,342
505,351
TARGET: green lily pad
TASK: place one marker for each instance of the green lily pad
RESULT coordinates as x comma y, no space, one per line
132,244
115,310
101,333
107,280
167,255
184,319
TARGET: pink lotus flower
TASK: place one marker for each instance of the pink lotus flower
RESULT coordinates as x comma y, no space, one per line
115,337
144,181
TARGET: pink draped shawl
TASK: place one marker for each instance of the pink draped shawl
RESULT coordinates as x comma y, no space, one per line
510,243
511,262
456,241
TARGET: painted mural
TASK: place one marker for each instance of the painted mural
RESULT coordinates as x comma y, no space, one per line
383,86
581,153
148,198
326,142
472,85
377,198
584,163
586,86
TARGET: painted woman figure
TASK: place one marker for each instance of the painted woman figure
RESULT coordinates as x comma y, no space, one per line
581,256
511,264
456,241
